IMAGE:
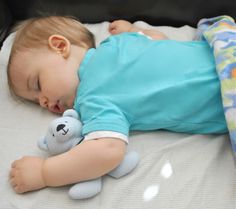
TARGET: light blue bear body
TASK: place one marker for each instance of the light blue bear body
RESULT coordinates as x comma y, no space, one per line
63,134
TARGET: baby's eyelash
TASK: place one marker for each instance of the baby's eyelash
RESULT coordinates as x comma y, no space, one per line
38,84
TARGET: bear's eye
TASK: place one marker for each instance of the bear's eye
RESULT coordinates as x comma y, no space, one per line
53,135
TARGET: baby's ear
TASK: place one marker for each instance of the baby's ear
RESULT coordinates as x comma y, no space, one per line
59,44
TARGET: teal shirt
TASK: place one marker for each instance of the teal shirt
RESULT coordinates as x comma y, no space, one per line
133,83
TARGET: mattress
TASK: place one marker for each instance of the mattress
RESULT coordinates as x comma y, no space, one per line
176,170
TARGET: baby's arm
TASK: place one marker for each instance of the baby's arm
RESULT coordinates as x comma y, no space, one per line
89,160
120,26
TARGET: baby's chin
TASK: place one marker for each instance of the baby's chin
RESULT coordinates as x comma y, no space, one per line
69,104
66,103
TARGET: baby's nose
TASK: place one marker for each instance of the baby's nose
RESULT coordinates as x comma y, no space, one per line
43,101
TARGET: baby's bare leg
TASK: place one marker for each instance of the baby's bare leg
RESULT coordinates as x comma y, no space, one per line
120,26
89,160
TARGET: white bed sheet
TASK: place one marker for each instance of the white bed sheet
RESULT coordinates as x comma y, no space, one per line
177,171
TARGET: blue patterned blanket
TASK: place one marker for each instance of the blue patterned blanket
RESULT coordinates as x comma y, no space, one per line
220,33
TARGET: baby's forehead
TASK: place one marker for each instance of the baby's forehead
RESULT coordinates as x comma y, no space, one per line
17,72
22,58
18,77
17,63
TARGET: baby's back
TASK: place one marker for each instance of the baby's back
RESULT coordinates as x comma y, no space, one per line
155,84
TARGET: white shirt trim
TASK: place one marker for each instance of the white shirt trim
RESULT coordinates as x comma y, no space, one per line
106,134
141,33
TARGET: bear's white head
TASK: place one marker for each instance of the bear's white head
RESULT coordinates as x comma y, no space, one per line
62,134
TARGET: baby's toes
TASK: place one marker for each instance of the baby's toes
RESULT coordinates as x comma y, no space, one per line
112,30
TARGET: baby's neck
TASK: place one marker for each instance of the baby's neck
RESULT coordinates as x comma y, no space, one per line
77,54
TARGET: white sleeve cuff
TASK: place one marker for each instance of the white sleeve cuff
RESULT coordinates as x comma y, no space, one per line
106,134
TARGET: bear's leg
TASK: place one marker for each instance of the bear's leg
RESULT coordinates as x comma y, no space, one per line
86,189
129,162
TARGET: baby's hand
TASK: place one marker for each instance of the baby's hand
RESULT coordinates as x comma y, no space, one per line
119,26
26,174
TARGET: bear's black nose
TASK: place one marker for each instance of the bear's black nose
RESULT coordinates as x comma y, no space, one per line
60,126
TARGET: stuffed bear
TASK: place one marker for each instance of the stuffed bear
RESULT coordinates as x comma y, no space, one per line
63,134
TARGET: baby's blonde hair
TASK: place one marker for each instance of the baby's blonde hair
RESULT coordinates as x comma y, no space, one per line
34,33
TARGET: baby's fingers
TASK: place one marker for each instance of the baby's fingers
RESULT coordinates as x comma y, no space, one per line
16,183
12,173
13,182
13,165
18,190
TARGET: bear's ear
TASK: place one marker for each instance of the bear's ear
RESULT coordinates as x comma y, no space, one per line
71,113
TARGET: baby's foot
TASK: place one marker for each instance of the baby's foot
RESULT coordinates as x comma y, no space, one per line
26,174
120,26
